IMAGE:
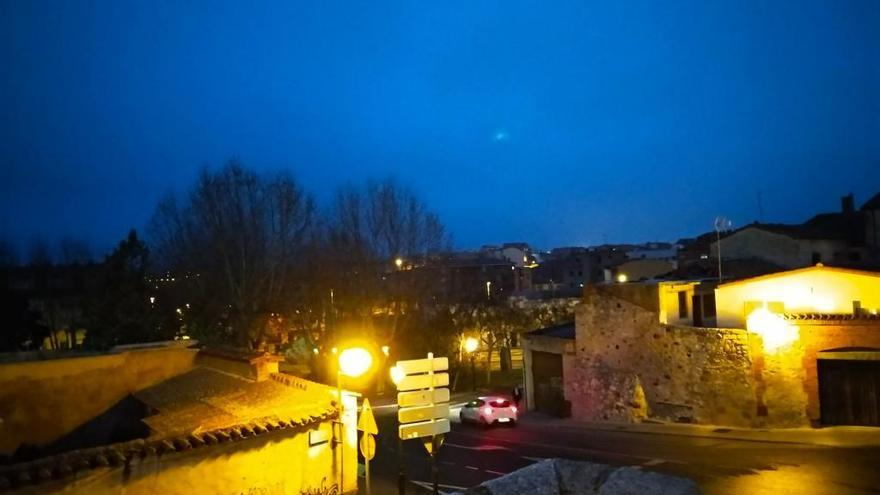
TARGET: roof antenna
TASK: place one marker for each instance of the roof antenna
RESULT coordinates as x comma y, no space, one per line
760,207
721,224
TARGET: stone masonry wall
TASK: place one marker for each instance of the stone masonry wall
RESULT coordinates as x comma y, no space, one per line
628,365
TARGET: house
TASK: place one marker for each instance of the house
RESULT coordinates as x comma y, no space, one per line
847,237
791,349
547,354
165,418
815,289
640,269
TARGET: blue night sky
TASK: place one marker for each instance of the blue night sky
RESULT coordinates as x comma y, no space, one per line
554,123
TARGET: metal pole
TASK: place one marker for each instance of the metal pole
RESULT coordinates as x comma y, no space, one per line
434,470
473,374
718,234
341,429
401,476
367,471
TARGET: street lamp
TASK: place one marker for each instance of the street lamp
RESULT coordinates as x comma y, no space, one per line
470,346
352,362
398,262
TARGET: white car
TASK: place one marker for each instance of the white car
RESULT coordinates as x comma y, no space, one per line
489,411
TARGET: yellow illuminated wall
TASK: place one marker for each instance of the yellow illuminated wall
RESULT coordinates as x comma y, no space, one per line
816,289
669,310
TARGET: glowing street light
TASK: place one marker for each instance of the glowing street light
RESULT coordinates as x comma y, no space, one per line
352,362
622,278
355,361
398,263
397,374
386,350
471,344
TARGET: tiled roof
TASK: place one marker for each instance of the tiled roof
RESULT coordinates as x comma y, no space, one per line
198,409
205,398
829,317
872,204
563,331
816,267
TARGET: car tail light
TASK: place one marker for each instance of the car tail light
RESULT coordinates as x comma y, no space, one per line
487,411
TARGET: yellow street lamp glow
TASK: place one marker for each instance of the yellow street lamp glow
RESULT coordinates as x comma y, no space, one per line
355,361
386,350
622,278
334,350
773,329
471,344
315,350
398,262
397,374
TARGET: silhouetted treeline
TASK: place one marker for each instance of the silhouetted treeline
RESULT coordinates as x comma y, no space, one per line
251,260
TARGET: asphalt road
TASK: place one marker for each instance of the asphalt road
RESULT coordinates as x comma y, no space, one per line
471,455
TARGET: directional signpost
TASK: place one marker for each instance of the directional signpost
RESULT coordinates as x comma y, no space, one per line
367,424
423,404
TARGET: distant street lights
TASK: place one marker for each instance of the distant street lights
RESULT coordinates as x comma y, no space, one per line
398,262
470,346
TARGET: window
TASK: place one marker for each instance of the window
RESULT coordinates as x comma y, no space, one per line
682,304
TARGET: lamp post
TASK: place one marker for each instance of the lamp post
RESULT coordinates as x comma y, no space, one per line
470,346
353,362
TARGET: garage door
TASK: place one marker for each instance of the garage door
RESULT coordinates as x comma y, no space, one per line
547,372
849,392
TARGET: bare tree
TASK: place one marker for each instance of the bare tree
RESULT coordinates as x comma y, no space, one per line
73,251
39,253
8,253
237,238
377,239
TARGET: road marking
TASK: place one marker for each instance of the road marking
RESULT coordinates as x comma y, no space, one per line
560,448
447,463
499,473
429,486
654,462
480,447
535,459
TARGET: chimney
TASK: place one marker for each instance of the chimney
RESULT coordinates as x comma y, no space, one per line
255,366
848,204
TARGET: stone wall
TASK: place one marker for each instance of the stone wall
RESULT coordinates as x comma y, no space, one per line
40,401
628,365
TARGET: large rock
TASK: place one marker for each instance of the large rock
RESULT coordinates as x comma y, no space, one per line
633,481
565,477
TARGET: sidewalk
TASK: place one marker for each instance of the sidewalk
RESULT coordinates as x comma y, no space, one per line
833,436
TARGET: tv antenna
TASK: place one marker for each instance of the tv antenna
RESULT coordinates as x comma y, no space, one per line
722,224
